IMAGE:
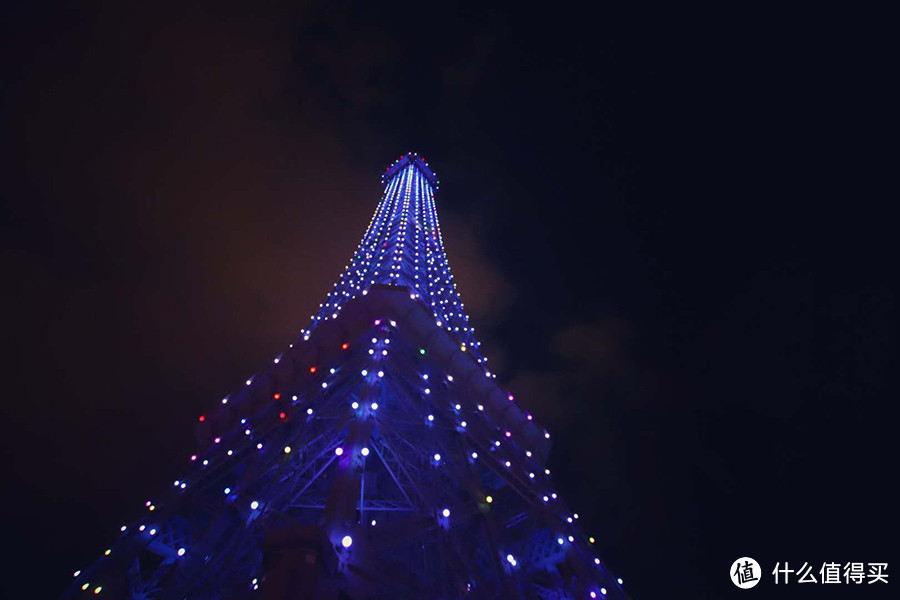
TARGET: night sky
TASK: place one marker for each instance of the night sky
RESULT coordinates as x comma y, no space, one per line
666,225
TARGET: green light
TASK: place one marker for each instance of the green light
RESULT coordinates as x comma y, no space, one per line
421,350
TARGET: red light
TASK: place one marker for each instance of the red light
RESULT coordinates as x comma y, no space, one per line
312,369
202,418
282,415
277,396
344,346
193,457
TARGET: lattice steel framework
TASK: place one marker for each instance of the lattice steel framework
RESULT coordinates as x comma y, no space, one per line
375,458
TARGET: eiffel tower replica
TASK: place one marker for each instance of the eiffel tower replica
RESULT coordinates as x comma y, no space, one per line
377,457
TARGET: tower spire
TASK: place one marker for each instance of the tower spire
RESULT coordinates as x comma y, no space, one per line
403,246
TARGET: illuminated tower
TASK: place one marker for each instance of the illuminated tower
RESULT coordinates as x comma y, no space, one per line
376,457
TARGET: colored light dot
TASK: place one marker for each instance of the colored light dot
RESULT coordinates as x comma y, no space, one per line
254,505
85,586
346,541
312,369
287,449
98,589
202,418
488,499
344,346
107,552
181,551
339,451
421,350
227,490
277,396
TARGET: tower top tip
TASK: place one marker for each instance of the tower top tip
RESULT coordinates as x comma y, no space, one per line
410,158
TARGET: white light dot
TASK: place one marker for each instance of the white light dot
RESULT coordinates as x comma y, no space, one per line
254,505
181,551
346,541
364,451
437,457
